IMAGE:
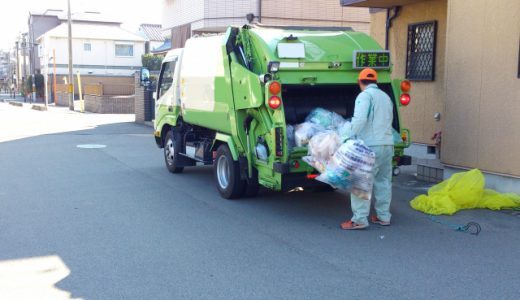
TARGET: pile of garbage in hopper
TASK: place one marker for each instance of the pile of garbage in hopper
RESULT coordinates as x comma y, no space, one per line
344,163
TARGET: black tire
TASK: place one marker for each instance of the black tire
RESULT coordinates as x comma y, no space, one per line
226,172
251,186
172,144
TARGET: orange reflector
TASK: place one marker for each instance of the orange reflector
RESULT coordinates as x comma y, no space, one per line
312,176
275,88
404,136
274,102
406,86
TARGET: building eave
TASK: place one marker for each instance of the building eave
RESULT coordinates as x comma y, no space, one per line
378,3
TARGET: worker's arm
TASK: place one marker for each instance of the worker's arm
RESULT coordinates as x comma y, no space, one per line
361,110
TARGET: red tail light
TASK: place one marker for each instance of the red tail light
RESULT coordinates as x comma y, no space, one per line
312,176
275,102
275,88
405,99
406,86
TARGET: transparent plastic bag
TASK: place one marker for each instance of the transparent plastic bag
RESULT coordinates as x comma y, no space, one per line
345,130
261,152
290,136
303,133
325,118
351,169
321,148
463,190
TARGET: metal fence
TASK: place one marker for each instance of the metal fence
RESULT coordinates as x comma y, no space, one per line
149,103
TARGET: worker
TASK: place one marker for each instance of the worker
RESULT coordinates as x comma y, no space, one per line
372,123
12,90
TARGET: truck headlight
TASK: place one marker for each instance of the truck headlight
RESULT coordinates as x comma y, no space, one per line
273,66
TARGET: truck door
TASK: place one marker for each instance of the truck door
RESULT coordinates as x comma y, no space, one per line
165,92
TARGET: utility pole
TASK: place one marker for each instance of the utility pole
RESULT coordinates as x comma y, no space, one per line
33,64
24,78
17,66
54,76
71,87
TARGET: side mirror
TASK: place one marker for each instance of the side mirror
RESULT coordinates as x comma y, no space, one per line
145,76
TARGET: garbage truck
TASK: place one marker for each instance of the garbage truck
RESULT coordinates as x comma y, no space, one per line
227,100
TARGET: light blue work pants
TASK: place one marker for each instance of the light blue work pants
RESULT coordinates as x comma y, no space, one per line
382,188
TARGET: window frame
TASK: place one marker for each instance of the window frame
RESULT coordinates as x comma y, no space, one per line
173,66
433,52
123,44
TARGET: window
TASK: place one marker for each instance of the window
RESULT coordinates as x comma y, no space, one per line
87,47
420,58
124,50
166,77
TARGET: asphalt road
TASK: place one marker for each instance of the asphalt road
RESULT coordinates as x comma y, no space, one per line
119,226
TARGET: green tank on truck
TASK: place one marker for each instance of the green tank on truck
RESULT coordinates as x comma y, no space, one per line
220,97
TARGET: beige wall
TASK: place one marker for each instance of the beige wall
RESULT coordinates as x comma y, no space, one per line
427,96
482,118
314,13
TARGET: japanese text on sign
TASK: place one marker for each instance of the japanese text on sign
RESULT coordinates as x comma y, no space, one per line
371,59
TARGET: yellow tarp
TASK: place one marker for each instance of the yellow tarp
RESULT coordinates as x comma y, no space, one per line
463,191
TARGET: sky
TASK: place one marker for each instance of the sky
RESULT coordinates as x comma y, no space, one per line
14,17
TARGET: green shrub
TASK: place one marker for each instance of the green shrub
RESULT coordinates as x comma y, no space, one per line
151,62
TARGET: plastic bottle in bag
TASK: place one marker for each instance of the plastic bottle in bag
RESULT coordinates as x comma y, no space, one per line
351,169
303,133
321,148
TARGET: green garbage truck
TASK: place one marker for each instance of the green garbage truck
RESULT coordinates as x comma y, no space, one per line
227,100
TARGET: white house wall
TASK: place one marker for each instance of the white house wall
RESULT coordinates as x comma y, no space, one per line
207,14
180,12
100,60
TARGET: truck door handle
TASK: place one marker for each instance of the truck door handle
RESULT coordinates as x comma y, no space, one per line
170,108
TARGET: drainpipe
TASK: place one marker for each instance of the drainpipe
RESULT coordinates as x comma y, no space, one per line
259,11
389,20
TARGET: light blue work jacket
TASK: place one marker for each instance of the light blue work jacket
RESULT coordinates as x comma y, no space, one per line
373,117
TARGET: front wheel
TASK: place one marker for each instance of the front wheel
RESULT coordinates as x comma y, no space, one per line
227,174
172,146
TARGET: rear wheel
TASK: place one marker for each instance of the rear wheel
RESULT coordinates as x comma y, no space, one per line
172,146
227,174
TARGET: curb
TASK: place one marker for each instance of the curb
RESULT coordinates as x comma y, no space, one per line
14,103
39,107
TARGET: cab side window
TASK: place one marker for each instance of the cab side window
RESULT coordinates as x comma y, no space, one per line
166,78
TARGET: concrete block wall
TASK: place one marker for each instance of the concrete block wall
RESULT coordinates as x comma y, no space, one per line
110,104
62,99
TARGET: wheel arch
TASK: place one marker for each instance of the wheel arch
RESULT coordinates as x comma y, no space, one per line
220,139
167,123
